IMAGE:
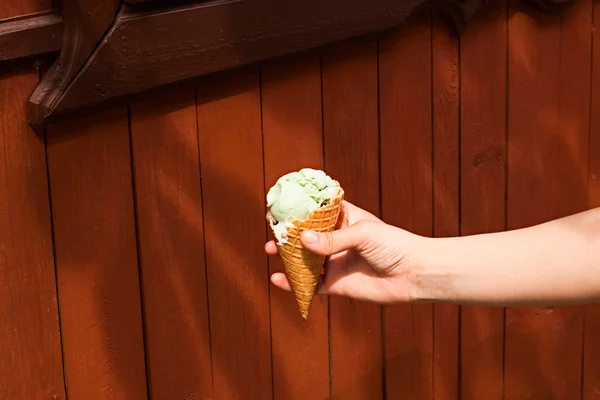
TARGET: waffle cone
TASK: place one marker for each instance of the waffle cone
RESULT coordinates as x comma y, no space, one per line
303,268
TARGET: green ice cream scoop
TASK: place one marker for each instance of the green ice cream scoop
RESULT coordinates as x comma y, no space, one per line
296,194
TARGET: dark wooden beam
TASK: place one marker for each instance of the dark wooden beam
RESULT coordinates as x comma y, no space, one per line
159,43
551,4
30,35
151,46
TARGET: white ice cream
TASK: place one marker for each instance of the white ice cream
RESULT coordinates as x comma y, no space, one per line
279,229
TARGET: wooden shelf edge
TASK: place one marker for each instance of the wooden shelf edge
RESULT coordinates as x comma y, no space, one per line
30,35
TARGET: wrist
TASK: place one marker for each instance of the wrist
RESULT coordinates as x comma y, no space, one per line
418,269
430,278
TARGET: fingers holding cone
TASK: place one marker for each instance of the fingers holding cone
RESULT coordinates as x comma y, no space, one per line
303,268
271,248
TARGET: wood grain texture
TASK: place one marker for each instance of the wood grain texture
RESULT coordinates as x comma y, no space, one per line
591,361
229,127
96,260
201,38
548,137
351,146
405,77
483,77
30,348
28,300
168,196
445,103
30,35
292,137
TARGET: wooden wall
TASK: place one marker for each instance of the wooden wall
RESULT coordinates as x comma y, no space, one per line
131,240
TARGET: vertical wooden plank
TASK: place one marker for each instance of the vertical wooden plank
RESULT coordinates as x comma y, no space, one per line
483,171
30,348
549,104
231,157
594,163
164,144
591,361
405,78
445,83
351,156
292,137
96,259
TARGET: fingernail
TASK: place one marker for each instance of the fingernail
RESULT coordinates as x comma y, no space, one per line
310,237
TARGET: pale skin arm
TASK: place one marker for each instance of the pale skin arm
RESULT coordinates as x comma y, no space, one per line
554,263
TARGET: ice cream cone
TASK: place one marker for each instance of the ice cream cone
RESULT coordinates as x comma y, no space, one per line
303,268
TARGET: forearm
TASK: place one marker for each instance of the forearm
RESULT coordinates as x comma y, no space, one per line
548,264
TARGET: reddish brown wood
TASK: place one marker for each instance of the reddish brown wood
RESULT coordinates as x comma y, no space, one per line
594,164
15,8
351,146
591,361
94,235
30,35
549,116
292,137
483,94
203,38
164,144
406,179
30,348
88,175
445,81
591,364
229,125
85,23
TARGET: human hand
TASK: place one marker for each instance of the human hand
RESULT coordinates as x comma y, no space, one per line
368,259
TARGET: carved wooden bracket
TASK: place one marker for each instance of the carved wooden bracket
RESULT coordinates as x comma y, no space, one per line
113,49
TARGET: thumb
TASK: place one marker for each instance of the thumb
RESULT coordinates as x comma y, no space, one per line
328,243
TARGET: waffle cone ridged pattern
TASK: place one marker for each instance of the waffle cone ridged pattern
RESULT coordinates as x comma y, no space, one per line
303,268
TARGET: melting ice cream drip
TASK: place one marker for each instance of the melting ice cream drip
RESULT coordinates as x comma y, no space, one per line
279,229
